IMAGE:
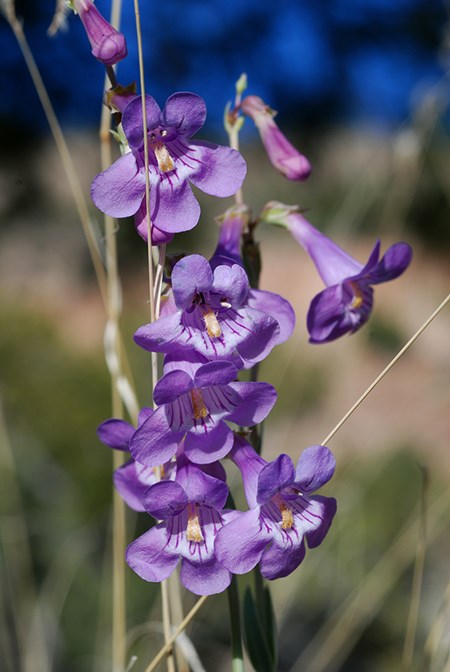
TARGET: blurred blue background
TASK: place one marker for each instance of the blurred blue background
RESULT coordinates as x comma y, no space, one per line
344,60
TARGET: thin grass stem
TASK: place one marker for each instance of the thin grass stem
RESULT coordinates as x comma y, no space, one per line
154,360
64,153
182,626
413,616
386,370
328,649
113,308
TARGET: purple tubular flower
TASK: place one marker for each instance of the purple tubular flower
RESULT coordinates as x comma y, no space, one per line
194,403
108,45
191,509
283,512
132,479
213,317
283,156
346,303
174,161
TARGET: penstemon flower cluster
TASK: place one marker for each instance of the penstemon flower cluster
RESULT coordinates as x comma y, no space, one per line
215,323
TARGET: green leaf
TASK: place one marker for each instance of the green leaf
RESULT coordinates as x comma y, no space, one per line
259,633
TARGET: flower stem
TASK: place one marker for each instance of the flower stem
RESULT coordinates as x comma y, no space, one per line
235,626
119,627
151,278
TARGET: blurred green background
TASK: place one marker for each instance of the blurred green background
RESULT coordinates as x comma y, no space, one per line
347,607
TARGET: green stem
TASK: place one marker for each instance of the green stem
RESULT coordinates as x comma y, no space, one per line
235,627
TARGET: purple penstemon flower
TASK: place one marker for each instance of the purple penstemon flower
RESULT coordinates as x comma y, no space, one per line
174,160
346,303
283,156
195,397
283,512
132,479
191,511
213,316
108,45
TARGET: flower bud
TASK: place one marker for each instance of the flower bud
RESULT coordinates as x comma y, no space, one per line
108,45
283,156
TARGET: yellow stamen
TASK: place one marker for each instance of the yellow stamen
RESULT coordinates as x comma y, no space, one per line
211,323
198,405
358,299
193,531
165,161
287,518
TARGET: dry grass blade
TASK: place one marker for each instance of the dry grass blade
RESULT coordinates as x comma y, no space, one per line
337,637
59,21
168,645
7,8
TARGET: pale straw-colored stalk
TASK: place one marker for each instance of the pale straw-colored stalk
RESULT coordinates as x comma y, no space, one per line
164,587
114,359
165,650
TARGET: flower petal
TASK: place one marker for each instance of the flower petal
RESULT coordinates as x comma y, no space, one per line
201,487
394,262
240,544
173,206
171,386
215,373
208,442
154,443
119,190
277,562
132,120
116,433
331,315
185,111
256,402
191,275
221,170
278,308
326,508
132,486
158,336
149,556
204,578
164,499
274,477
315,467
